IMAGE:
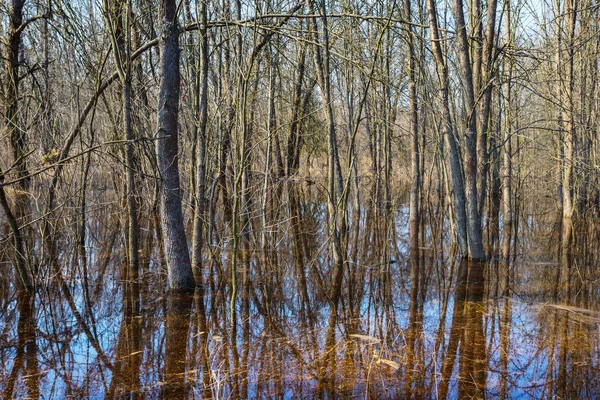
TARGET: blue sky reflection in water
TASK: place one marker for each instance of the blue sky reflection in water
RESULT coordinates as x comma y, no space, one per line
429,332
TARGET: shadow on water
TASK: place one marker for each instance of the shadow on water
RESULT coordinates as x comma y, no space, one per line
412,321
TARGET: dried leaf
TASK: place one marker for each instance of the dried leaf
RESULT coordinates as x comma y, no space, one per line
392,364
366,338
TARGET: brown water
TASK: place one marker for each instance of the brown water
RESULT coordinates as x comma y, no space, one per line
426,326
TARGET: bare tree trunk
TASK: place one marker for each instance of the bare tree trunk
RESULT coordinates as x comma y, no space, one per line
120,29
559,95
475,240
486,76
202,114
48,141
415,162
294,142
16,134
24,280
447,131
133,226
11,113
334,174
568,115
507,211
167,147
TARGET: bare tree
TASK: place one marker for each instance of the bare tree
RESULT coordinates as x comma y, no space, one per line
177,254
474,230
119,22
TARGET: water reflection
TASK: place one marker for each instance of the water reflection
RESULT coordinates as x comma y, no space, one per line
126,382
177,328
467,336
23,380
412,321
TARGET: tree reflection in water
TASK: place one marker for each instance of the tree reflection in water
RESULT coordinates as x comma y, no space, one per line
409,324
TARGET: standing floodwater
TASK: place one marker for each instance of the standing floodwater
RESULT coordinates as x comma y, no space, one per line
416,324
298,199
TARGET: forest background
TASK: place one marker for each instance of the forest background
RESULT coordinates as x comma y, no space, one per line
176,126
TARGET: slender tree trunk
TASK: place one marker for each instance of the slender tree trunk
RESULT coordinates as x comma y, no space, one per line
294,139
133,226
487,73
559,95
447,131
48,141
415,163
24,280
507,211
167,148
118,20
335,182
202,114
16,133
475,239
569,112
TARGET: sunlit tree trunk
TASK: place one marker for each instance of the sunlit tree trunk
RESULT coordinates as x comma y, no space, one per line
475,240
22,271
507,209
202,115
167,147
569,111
118,20
558,93
16,212
334,175
16,133
415,162
459,202
488,71
568,141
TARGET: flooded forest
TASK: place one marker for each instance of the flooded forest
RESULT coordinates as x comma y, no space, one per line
296,199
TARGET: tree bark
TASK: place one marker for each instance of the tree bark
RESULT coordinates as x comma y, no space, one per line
294,141
120,29
202,113
167,148
447,131
507,211
334,174
475,240
415,162
568,116
11,116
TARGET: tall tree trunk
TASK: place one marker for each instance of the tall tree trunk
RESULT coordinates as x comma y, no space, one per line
294,141
487,73
24,279
568,114
167,148
202,115
414,129
334,174
507,211
447,131
16,133
559,95
120,28
475,239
